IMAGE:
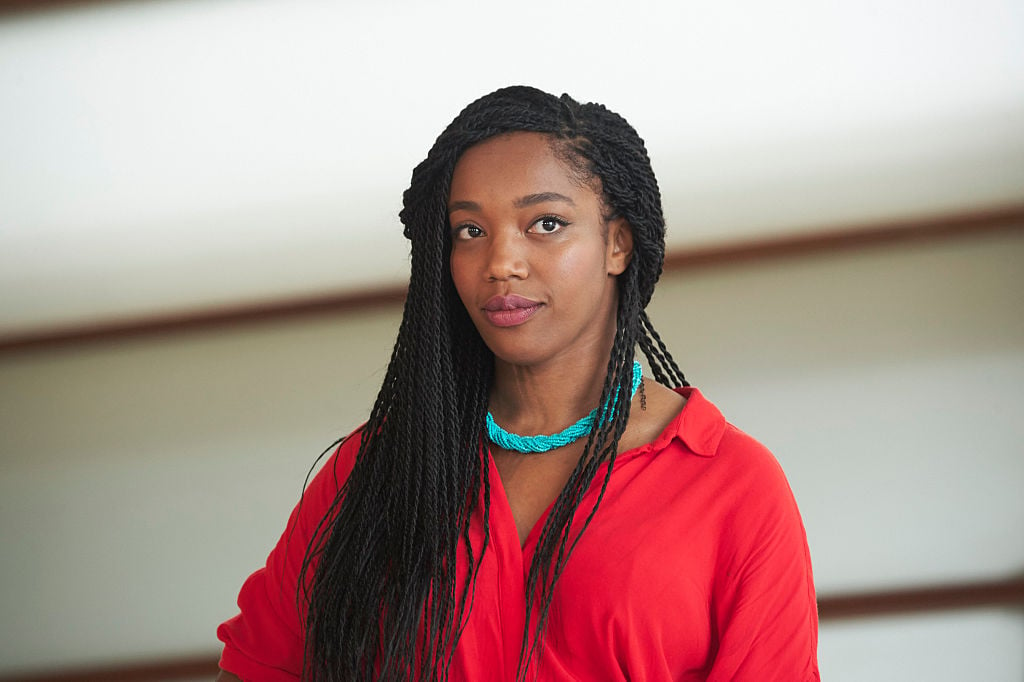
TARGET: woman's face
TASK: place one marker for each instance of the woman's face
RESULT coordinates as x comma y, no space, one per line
532,257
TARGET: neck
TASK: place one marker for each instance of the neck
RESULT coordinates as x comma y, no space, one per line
546,398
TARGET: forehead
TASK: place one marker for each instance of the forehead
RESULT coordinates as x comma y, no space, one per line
511,163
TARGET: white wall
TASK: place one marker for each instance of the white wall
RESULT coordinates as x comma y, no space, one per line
142,480
250,143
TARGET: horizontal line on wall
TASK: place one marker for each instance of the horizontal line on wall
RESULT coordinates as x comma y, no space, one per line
838,240
202,320
16,7
1000,593
744,252
996,593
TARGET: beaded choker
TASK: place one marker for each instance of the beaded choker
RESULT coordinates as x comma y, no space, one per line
542,443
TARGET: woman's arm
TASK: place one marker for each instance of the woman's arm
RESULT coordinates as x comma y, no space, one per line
265,641
764,606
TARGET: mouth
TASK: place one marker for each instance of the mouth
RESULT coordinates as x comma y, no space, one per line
510,311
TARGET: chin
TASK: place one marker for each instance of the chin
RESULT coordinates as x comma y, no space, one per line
518,357
519,354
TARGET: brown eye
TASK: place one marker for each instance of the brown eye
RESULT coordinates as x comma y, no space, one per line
468,232
548,225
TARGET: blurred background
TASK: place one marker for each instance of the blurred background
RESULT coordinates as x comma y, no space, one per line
201,276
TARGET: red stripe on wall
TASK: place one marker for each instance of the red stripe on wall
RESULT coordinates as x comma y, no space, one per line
1000,593
823,242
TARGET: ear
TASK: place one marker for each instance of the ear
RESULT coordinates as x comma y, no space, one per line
620,246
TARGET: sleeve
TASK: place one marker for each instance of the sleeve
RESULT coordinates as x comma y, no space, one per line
764,608
265,641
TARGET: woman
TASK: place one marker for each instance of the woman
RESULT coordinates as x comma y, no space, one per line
642,538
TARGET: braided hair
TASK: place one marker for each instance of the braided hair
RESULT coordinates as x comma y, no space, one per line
380,590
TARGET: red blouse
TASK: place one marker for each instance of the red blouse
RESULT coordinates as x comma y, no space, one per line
695,568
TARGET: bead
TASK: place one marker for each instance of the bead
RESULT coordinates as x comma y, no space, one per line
543,443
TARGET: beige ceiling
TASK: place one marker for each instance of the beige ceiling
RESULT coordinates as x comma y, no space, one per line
176,155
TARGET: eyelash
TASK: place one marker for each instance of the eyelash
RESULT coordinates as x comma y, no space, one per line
560,222
459,232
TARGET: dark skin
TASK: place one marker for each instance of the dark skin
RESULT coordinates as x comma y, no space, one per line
532,483
524,225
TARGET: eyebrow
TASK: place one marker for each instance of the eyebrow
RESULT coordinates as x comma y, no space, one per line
521,202
542,197
463,206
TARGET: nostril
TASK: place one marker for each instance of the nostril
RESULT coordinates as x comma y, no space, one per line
506,259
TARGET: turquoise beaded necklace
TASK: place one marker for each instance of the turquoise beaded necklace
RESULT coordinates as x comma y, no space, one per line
542,443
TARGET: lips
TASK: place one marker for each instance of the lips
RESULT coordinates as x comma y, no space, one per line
510,311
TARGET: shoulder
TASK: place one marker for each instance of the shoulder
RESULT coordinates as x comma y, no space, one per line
740,449
654,410
320,492
265,640
703,428
746,470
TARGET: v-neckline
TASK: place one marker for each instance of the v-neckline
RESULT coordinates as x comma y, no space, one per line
504,507
523,553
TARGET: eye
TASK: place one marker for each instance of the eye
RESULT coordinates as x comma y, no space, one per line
467,231
548,225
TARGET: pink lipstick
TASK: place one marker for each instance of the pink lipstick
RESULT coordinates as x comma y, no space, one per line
509,311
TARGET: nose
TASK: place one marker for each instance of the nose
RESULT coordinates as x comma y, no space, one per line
506,257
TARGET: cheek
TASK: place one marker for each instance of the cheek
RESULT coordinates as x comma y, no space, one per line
584,265
460,275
